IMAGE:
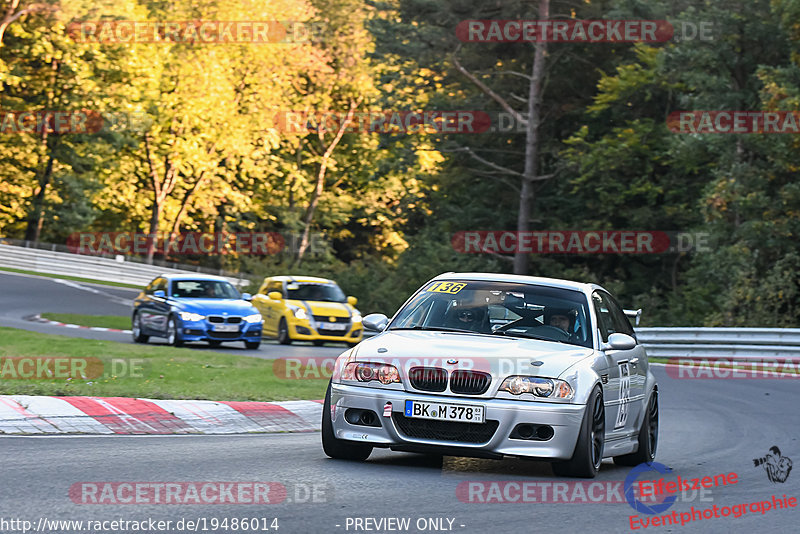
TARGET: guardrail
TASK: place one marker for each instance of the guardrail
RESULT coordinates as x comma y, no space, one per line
730,343
94,267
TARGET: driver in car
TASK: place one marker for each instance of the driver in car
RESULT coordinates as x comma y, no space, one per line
560,321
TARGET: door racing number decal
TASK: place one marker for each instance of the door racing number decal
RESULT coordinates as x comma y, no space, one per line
624,394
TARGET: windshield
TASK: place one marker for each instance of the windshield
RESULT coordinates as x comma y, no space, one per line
498,308
204,289
316,292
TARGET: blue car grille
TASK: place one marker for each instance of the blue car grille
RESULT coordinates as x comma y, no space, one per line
218,319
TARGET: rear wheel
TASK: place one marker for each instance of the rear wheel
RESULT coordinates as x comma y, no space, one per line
339,448
283,332
648,437
588,455
136,328
173,335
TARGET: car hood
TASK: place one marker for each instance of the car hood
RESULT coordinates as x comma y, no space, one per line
215,306
331,309
500,356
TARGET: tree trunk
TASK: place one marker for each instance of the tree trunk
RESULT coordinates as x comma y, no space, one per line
522,259
36,216
320,182
48,144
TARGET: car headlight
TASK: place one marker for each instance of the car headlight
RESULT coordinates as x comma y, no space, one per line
254,318
189,316
300,313
356,316
368,372
538,387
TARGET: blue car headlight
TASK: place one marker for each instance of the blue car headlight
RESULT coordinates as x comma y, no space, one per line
254,318
189,316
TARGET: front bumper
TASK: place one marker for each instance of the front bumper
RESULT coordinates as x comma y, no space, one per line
204,331
303,330
565,420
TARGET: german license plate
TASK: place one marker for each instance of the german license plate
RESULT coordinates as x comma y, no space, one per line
226,328
466,413
333,326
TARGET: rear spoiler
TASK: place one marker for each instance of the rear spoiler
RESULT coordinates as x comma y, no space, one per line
634,315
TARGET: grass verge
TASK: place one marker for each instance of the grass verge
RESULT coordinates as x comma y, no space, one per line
150,371
103,321
73,278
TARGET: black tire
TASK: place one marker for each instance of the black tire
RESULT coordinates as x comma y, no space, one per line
334,447
136,328
588,454
351,345
252,344
283,332
318,342
173,333
648,437
214,343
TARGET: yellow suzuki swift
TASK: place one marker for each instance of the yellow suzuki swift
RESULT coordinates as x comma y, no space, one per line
305,308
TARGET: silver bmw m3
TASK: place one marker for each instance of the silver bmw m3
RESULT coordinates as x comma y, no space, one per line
493,365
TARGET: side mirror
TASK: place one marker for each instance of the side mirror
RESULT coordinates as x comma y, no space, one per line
159,294
352,301
620,342
247,296
275,295
375,321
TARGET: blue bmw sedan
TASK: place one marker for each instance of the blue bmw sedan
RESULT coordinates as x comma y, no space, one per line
184,308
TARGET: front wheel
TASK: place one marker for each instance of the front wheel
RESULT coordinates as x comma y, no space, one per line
339,448
588,455
252,344
173,335
648,437
136,328
283,332
214,343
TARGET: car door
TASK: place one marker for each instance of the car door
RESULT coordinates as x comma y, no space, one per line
147,308
260,302
620,418
637,363
270,309
159,306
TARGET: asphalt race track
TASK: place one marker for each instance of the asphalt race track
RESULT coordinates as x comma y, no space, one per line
22,296
708,427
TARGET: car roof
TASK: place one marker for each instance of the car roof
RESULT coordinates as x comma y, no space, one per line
520,279
191,276
301,279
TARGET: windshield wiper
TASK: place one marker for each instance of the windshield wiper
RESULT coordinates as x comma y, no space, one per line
527,336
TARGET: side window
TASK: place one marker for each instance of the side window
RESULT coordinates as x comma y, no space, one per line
621,322
604,321
263,289
275,286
